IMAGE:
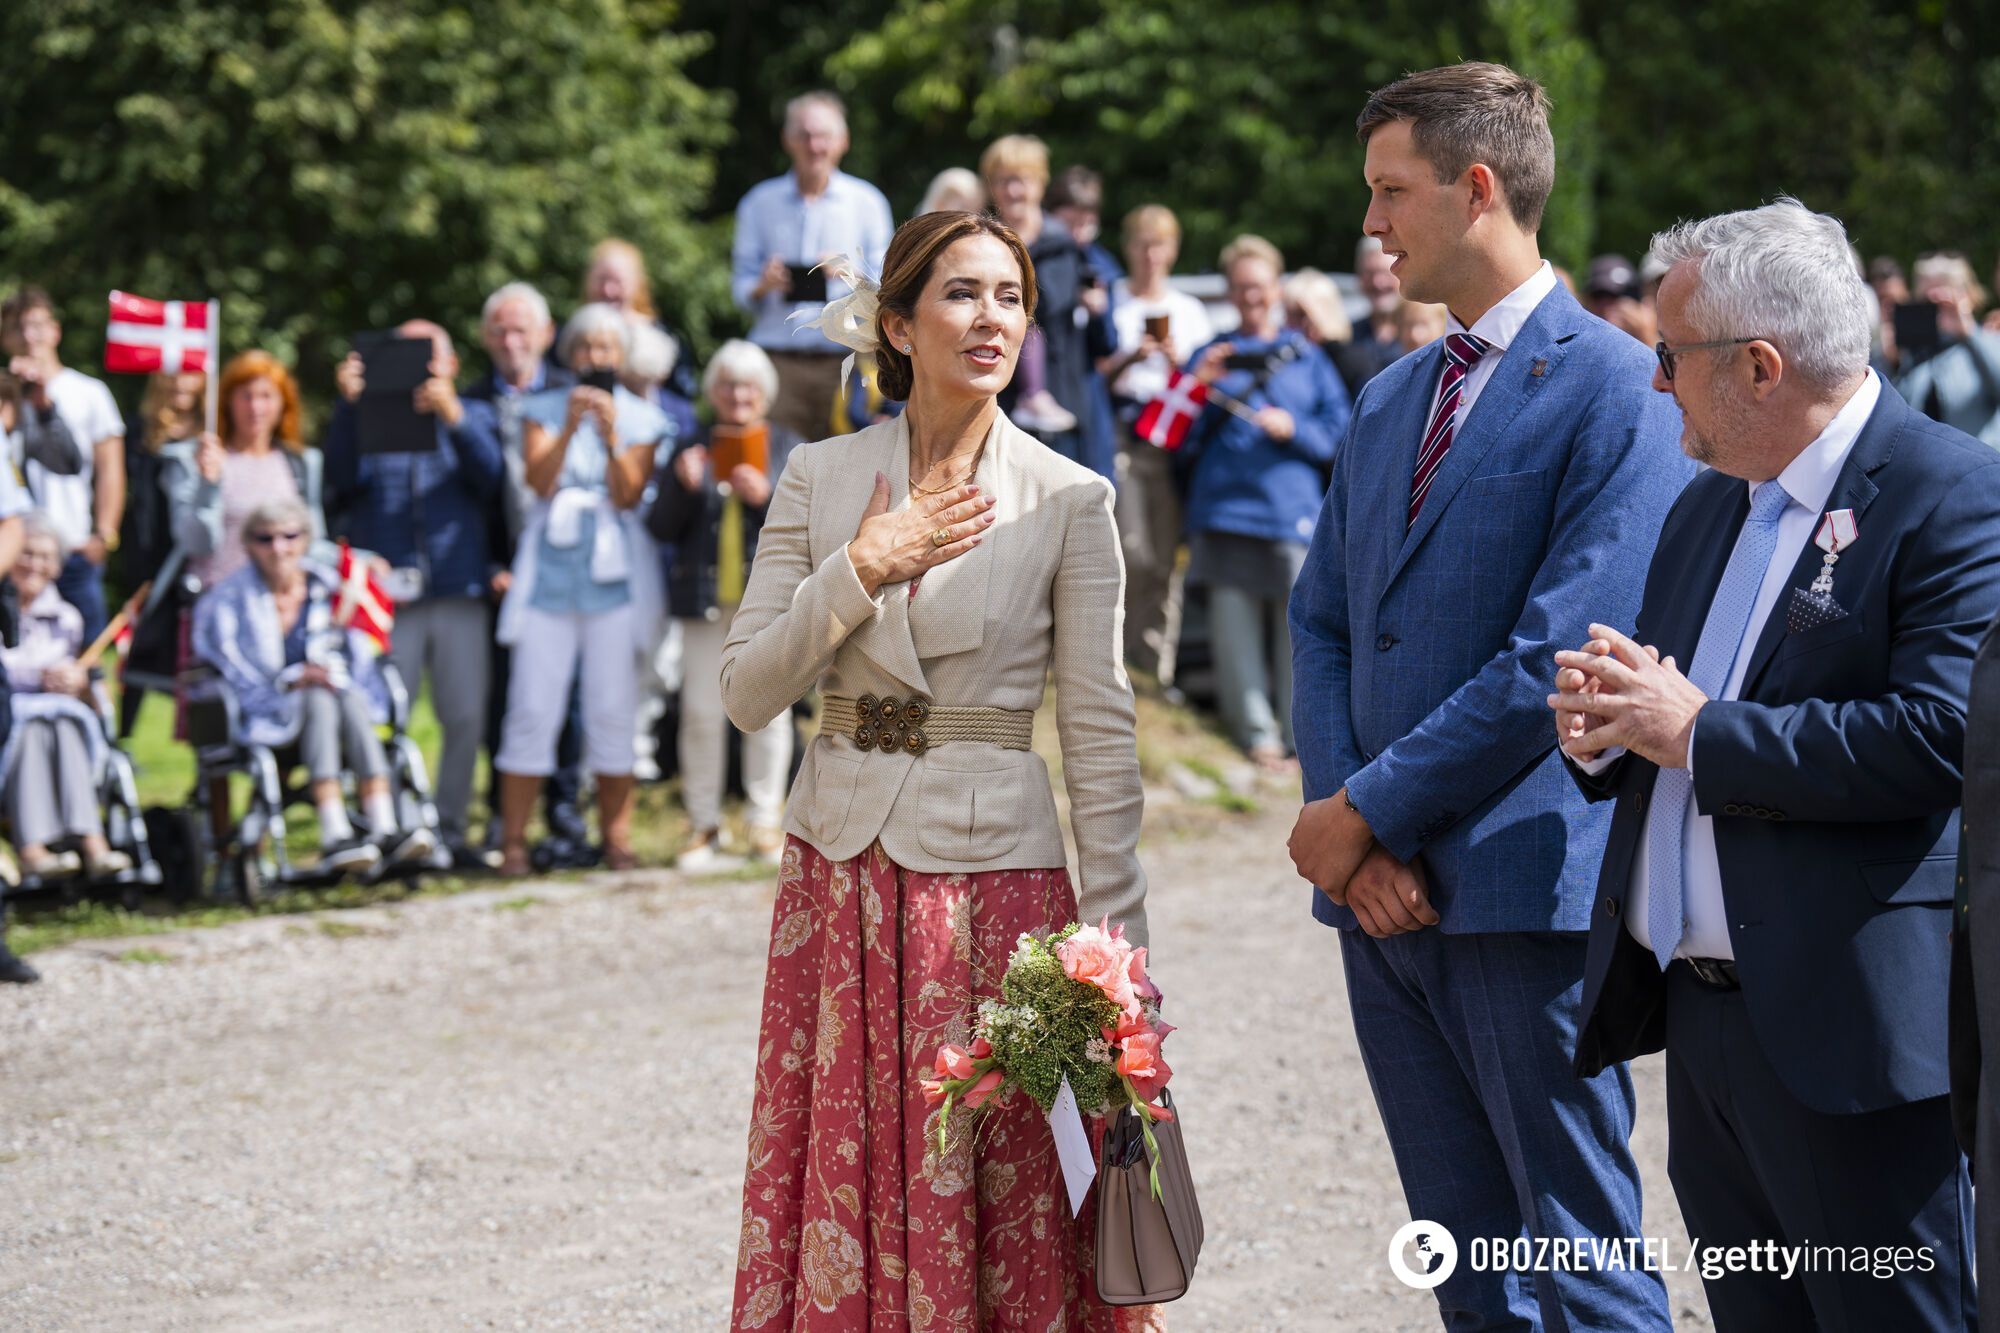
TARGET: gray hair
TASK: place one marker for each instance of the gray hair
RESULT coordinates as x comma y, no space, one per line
36,523
1366,246
597,317
744,362
1947,268
952,180
652,355
819,97
284,510
1781,272
524,292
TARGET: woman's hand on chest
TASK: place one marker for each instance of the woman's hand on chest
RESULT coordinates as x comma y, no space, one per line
896,546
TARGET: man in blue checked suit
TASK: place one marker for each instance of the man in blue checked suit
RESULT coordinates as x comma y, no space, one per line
1492,490
1784,765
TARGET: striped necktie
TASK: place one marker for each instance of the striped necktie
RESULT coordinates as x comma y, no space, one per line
1461,353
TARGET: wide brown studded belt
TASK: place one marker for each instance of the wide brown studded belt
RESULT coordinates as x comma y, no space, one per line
912,726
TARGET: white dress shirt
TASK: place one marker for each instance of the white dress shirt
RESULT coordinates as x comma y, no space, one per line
1808,480
849,217
1498,326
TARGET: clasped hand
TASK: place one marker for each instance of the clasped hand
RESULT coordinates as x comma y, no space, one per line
1613,692
894,547
1333,849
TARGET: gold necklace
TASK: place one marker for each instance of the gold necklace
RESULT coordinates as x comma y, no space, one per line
977,454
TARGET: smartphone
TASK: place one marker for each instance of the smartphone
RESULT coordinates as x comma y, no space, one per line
1090,280
1916,326
606,380
1157,327
1246,361
808,282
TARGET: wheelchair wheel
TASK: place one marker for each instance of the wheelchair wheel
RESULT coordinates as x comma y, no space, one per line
244,877
174,835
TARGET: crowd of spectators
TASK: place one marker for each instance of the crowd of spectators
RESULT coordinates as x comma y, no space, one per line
566,555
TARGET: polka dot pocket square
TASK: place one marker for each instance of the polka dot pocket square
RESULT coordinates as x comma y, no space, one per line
1811,608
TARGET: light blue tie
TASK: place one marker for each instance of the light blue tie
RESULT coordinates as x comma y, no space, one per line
1714,655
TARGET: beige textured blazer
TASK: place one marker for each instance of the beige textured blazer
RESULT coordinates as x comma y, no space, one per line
1042,595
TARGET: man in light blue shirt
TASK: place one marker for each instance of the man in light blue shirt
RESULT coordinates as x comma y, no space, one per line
812,213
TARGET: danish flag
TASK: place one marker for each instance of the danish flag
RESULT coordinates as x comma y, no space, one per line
145,336
1164,422
363,603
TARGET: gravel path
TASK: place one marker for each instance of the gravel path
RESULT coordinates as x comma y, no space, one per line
495,1112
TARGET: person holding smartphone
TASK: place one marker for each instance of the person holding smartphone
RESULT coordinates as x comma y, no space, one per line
785,227
428,516
1155,325
1950,367
585,599
1259,466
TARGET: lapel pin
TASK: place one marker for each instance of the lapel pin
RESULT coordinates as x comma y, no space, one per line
1539,369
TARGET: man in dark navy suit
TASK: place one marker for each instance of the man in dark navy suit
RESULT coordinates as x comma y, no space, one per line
1783,735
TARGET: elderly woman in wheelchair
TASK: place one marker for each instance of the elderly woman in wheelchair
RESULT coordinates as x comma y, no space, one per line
56,749
301,678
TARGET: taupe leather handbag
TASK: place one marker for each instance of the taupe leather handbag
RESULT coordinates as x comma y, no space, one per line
1146,1247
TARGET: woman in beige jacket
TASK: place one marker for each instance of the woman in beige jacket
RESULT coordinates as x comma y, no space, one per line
928,575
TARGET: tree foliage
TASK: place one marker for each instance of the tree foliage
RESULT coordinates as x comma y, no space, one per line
326,167
330,165
1242,118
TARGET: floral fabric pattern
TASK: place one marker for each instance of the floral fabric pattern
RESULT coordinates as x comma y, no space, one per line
853,1222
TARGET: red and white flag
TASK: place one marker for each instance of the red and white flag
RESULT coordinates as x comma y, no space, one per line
1164,422
363,603
144,336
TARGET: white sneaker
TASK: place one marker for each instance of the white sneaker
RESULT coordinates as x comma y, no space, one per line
704,854
113,862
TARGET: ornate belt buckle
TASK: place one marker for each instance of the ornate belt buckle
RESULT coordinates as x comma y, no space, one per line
891,725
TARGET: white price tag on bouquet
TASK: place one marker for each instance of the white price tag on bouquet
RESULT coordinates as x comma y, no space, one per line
1079,1163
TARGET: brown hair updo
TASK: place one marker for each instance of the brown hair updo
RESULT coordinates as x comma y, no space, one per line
913,253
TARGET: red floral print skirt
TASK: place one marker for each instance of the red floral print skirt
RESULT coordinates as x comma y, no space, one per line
852,1220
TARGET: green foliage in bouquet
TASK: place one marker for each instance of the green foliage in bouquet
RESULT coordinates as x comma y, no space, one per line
1051,1025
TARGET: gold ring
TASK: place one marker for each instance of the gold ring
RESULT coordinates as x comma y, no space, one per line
942,537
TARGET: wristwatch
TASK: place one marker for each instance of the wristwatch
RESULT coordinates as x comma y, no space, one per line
1349,801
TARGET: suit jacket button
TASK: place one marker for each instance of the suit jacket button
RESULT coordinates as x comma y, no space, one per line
1610,905
1385,643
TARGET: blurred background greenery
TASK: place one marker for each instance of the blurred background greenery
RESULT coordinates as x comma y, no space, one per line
324,167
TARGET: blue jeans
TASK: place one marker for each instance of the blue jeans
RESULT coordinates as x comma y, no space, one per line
81,584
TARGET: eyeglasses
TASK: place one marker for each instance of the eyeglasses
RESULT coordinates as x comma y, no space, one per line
272,538
1667,354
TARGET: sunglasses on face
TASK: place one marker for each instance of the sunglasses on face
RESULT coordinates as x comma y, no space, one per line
273,538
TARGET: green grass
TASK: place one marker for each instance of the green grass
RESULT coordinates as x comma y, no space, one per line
165,769
1167,735
145,956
